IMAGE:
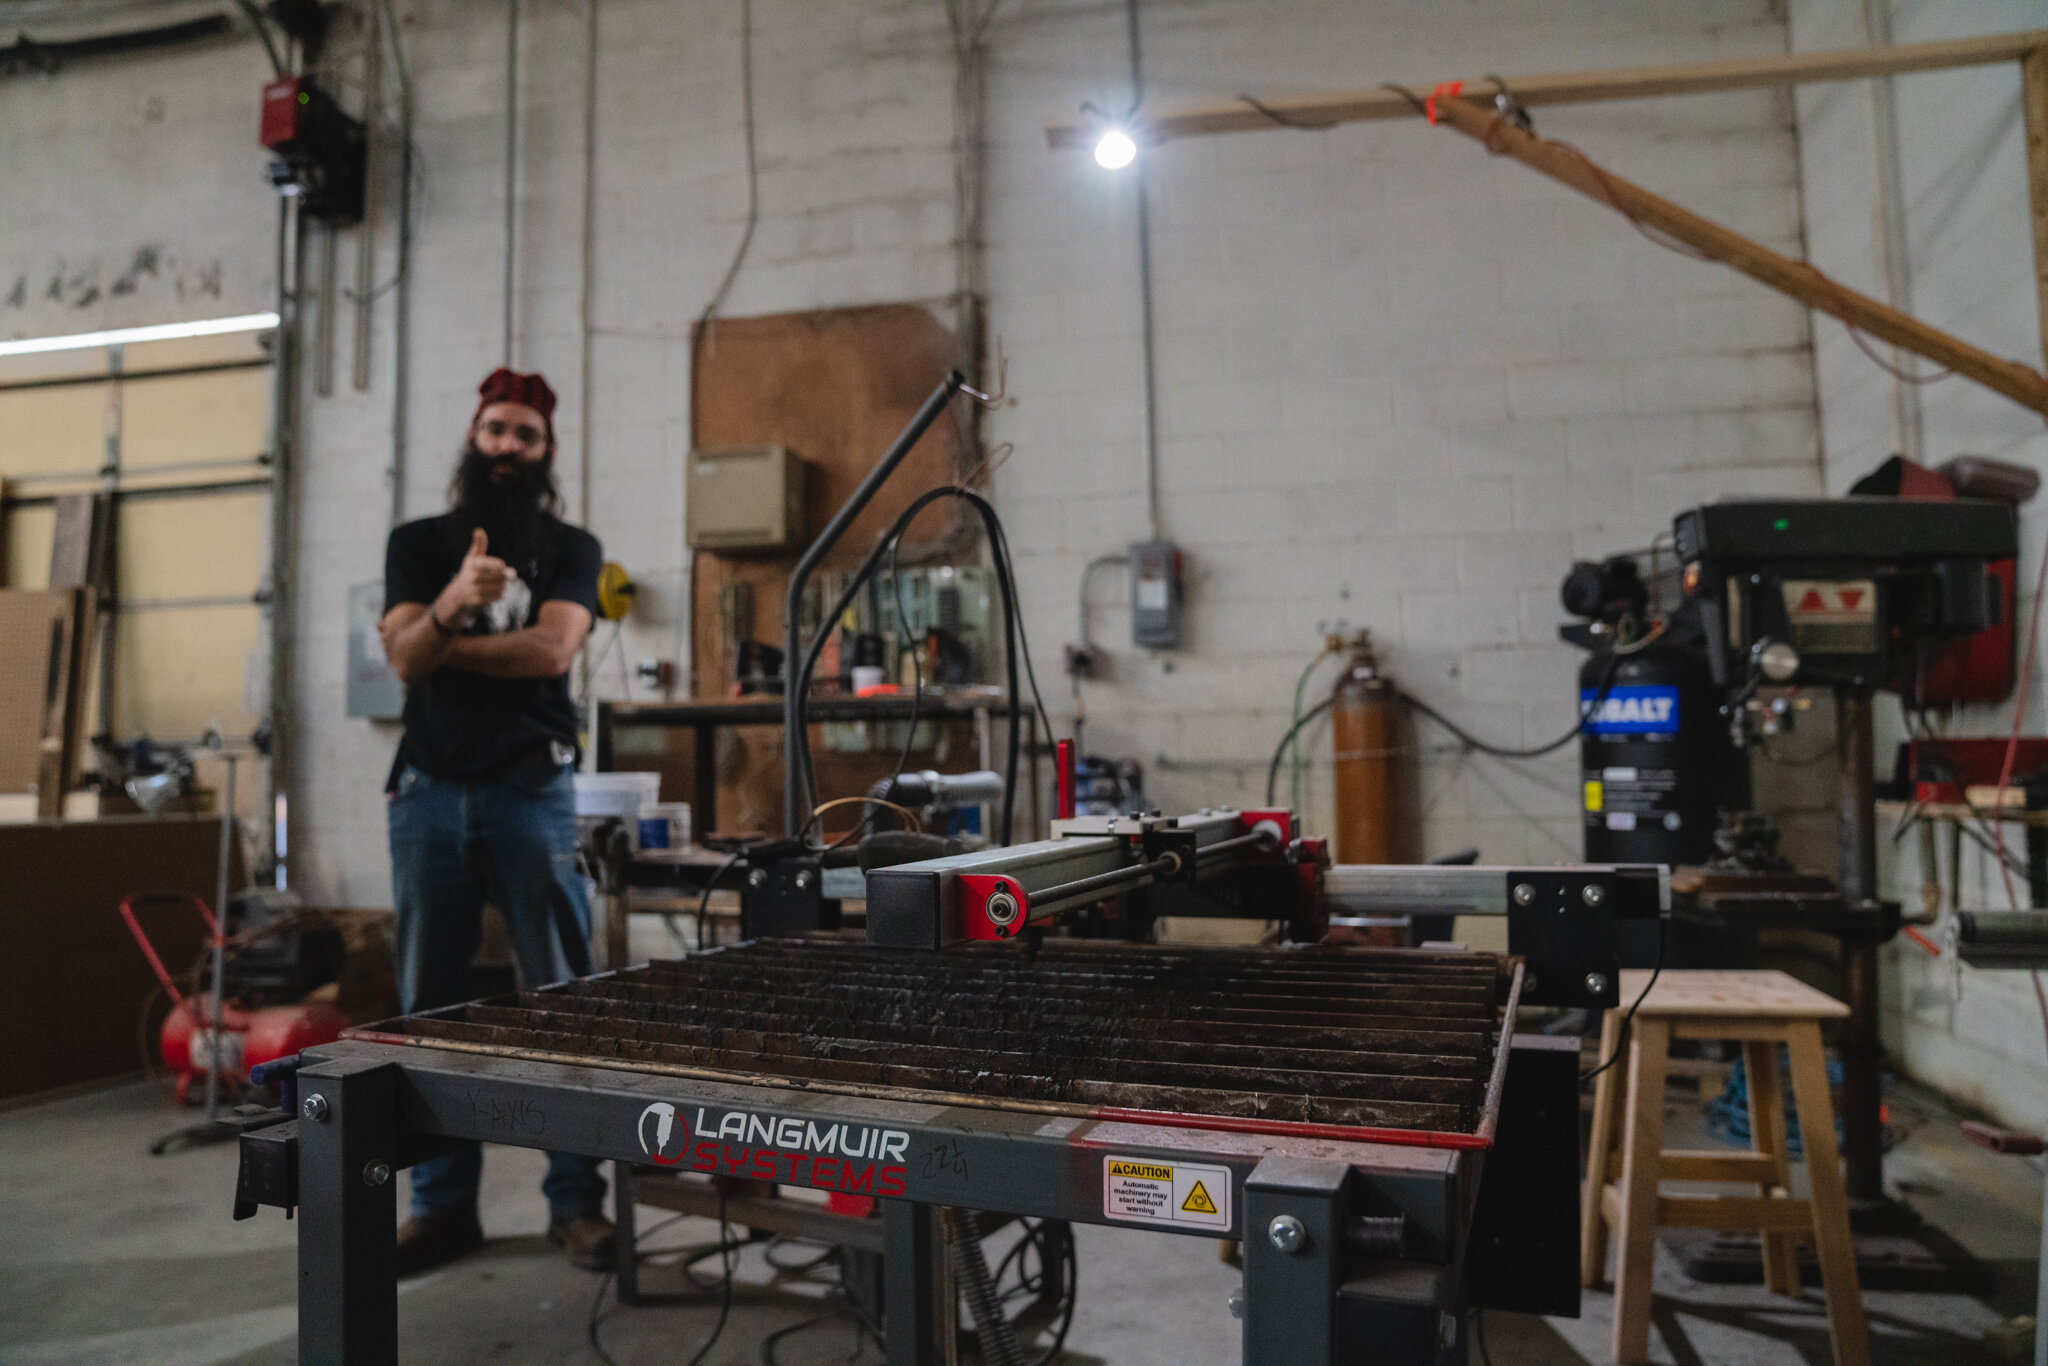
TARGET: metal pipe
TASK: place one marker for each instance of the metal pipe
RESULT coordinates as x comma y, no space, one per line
366,243
1145,286
1856,848
323,328
1048,898
401,304
127,377
511,162
793,776
283,524
1264,840
220,934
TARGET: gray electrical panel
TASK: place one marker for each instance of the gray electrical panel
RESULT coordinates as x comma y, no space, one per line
373,690
745,499
1155,595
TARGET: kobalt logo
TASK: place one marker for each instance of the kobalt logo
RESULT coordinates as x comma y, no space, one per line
1636,710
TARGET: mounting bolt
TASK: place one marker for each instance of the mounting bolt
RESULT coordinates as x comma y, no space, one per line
1286,1233
1524,894
1236,1303
1596,984
758,878
315,1109
803,880
376,1172
1592,894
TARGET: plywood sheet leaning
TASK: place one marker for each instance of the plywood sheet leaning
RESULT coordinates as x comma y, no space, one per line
42,671
834,386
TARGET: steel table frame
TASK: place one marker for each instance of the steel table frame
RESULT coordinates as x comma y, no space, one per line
382,1105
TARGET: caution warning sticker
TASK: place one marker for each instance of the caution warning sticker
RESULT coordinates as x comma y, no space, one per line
1147,1191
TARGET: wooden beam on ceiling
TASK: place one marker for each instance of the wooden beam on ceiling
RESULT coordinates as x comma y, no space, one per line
1567,165
1324,109
2034,95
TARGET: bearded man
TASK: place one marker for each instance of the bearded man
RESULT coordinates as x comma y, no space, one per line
485,608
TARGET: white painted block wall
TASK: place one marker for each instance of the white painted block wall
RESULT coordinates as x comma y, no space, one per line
1968,258
1400,384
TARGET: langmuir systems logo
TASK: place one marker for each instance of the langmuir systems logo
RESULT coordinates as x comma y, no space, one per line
835,1155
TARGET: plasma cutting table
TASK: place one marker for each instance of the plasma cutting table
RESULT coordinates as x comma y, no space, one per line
1333,1108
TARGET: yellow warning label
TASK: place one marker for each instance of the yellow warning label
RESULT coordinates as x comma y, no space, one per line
1593,796
1149,1171
1175,1193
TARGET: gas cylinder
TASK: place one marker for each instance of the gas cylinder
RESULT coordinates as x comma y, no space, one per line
1365,734
1656,765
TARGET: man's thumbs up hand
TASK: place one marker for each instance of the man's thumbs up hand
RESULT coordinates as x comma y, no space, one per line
479,582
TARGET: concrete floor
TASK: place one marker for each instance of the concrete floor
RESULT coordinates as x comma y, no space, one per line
112,1256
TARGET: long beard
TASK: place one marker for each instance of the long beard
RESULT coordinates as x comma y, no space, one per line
512,508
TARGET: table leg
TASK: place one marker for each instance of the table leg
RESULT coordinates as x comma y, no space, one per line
348,1279
1641,1161
1833,1245
1592,1207
910,1283
1767,1136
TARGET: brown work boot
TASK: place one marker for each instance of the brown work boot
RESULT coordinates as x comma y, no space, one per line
587,1238
430,1240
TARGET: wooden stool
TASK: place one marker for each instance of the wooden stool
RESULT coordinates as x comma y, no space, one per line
1763,1010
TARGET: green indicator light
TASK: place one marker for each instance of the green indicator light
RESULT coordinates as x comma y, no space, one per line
1783,523
304,98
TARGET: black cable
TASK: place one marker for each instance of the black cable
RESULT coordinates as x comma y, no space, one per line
1621,1037
256,22
1472,741
795,1268
604,1281
768,1357
704,902
1273,769
916,678
800,678
729,1248
1024,640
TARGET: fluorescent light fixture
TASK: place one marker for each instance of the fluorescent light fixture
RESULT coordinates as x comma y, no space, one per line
120,336
1115,150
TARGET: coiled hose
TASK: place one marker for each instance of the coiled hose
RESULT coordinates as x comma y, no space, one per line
998,1339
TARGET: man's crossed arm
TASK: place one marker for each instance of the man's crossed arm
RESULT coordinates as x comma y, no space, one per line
420,637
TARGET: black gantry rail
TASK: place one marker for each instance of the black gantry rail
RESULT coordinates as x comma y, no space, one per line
1324,1035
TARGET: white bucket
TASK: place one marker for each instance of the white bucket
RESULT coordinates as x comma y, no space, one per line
599,795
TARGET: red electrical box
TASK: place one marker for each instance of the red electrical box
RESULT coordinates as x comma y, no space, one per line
283,112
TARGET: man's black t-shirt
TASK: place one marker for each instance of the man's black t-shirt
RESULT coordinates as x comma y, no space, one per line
465,725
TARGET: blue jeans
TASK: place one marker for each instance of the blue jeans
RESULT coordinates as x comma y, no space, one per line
454,846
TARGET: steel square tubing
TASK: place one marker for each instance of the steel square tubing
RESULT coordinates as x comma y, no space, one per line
913,1155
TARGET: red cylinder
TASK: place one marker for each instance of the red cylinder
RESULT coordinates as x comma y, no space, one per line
1365,733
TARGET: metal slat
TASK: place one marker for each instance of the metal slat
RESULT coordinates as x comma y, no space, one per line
1335,1036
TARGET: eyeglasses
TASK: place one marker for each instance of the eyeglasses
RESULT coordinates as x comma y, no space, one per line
524,433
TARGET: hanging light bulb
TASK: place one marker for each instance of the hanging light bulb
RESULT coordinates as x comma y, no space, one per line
1115,150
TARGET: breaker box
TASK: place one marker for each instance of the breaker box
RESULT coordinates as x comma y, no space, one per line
1155,595
744,499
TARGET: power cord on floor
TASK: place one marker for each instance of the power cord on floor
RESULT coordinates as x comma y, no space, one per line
726,1248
